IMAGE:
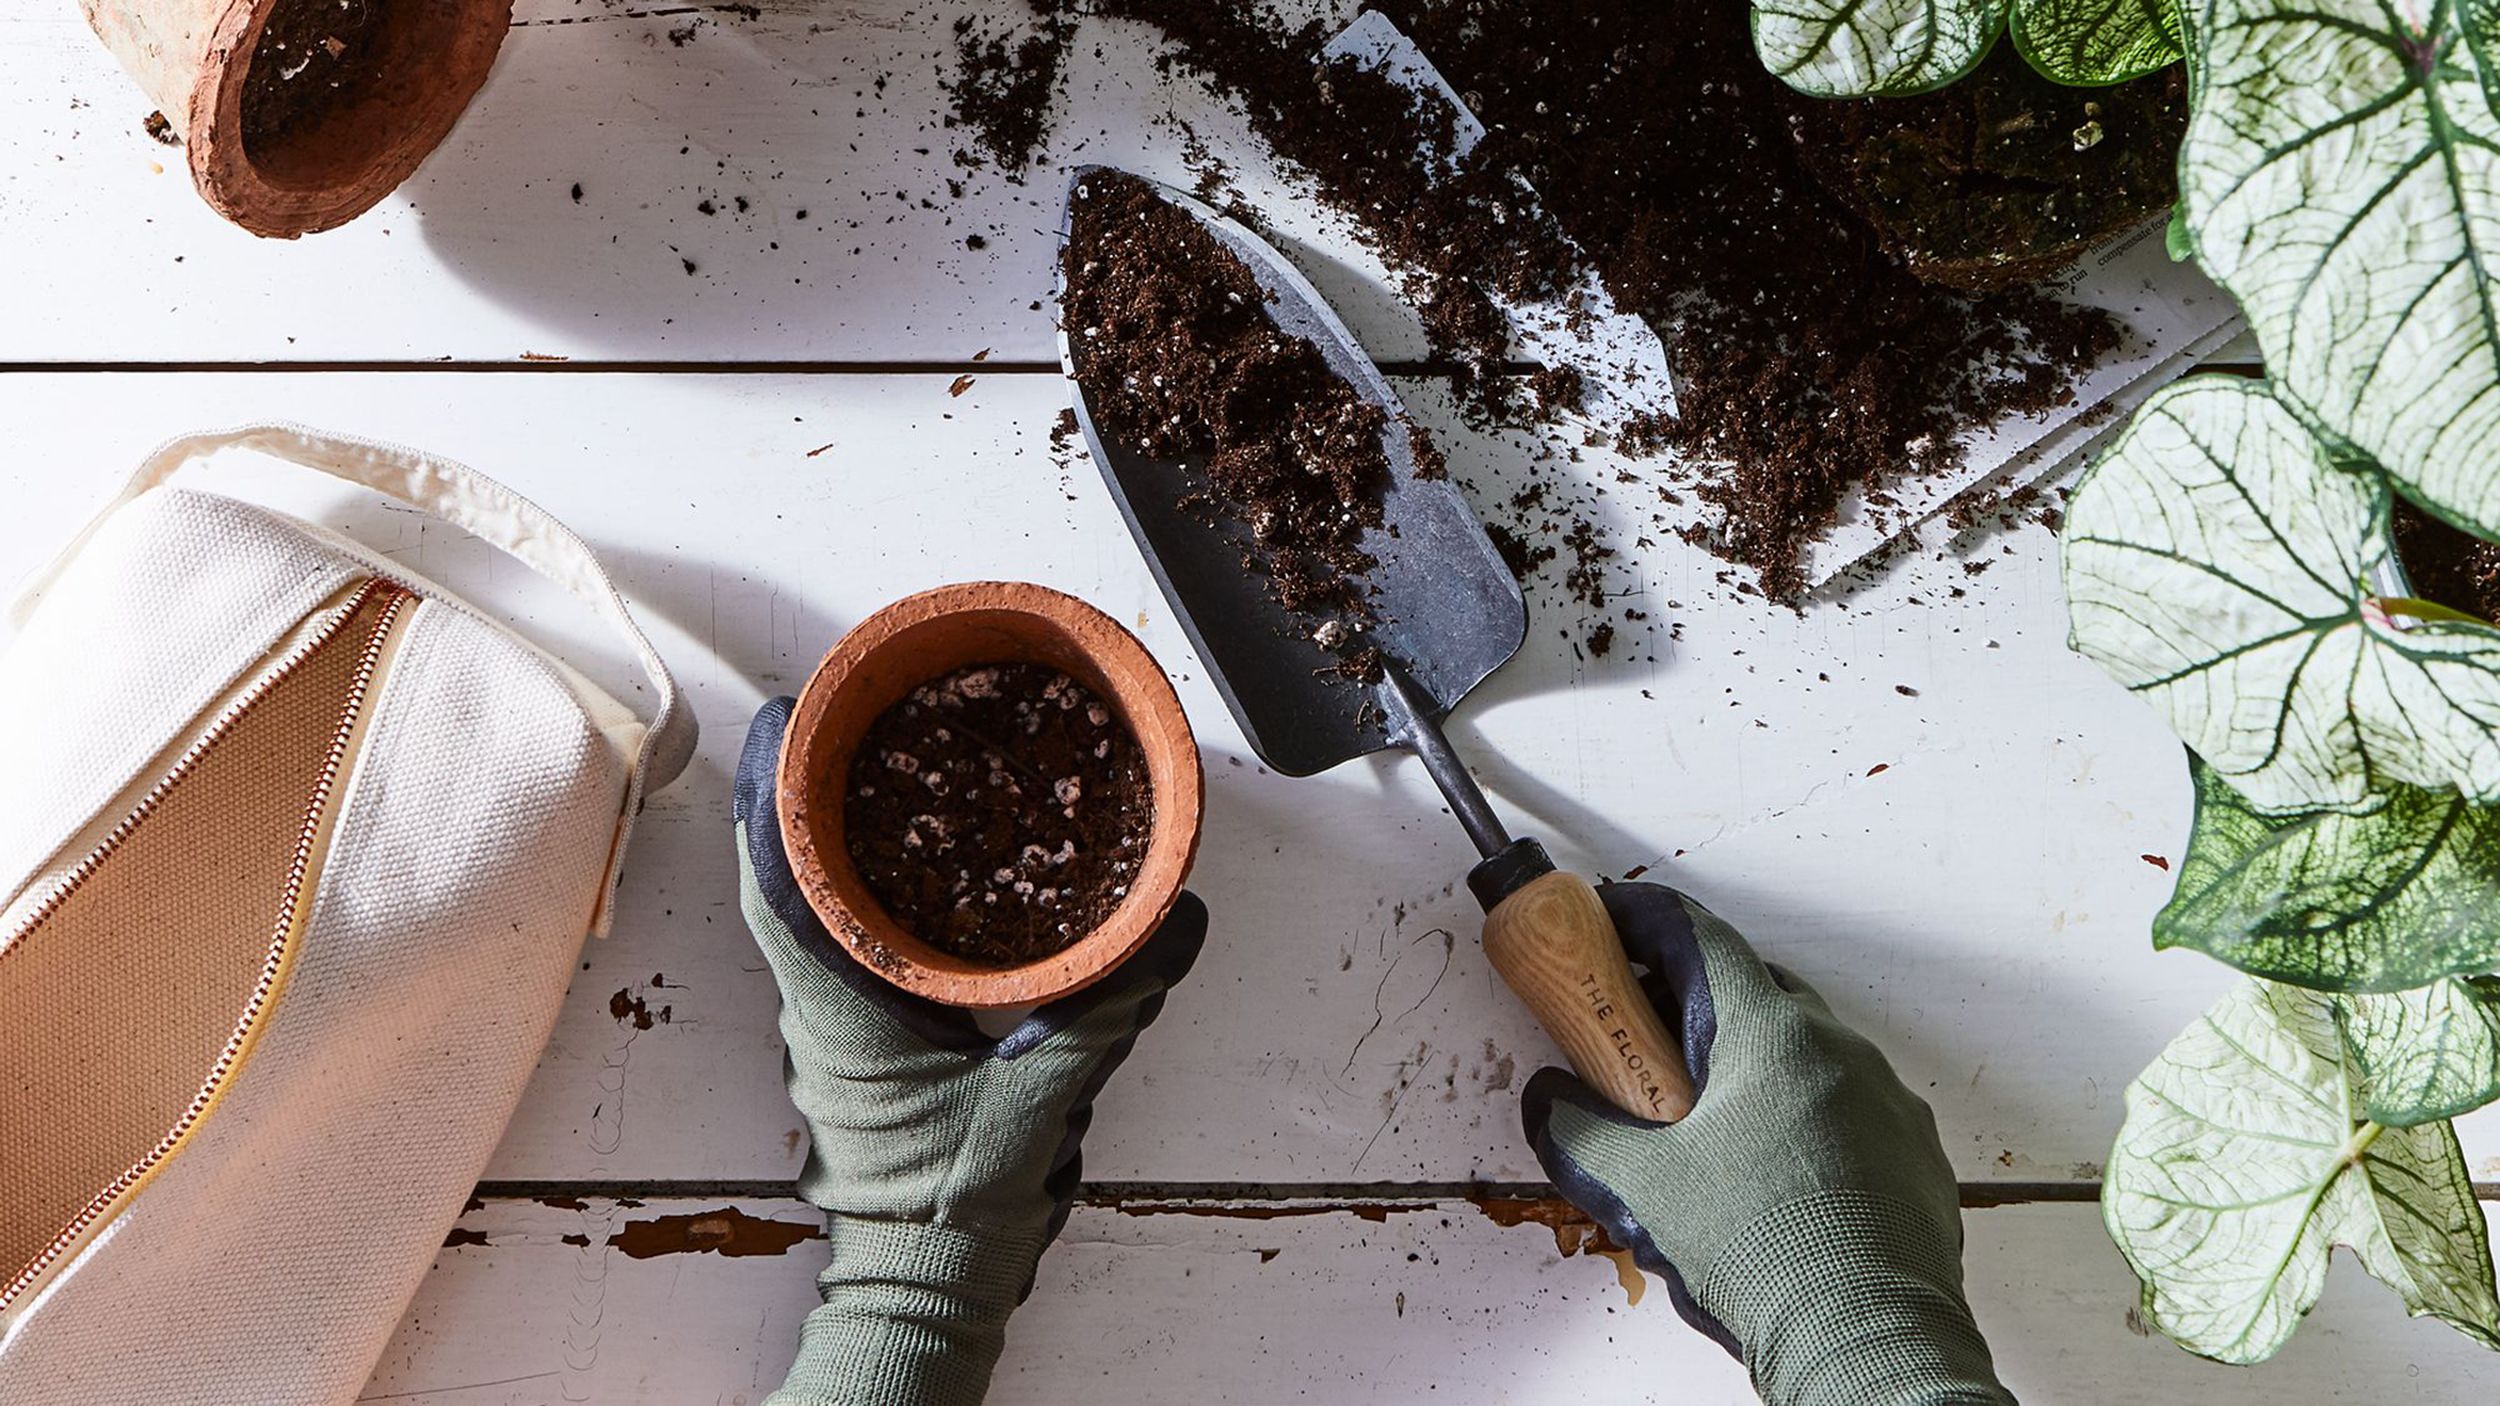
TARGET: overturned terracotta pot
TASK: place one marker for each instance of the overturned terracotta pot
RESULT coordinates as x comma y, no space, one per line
299,115
923,637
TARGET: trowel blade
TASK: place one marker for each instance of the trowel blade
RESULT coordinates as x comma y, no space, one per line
1447,610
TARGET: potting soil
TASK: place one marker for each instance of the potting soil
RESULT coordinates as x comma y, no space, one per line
2001,178
305,66
999,813
1812,361
2454,569
1178,358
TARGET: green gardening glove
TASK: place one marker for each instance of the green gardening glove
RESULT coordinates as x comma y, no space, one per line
1803,1214
944,1160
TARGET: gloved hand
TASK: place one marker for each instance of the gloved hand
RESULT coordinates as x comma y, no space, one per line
944,1160
1803,1214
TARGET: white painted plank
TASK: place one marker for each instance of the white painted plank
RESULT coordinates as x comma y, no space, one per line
825,119
815,130
1979,904
1430,1302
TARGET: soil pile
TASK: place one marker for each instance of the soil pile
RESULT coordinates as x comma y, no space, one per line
999,813
1811,358
1178,358
2002,178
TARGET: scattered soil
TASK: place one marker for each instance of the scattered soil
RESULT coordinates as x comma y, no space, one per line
999,813
306,66
1455,231
2002,178
1004,82
1811,358
1178,358
2453,568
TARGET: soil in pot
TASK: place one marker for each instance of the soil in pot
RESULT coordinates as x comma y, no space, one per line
2452,568
1178,358
998,813
313,60
2002,178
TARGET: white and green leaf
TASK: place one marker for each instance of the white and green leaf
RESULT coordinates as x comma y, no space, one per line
1873,48
2243,1163
2094,41
2426,1054
2382,901
2220,568
2342,173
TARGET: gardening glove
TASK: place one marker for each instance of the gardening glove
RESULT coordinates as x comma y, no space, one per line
944,1160
1803,1214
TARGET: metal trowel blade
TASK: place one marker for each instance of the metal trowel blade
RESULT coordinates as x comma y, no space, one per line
1447,610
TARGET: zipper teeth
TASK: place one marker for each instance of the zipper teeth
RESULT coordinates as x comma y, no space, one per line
315,812
191,757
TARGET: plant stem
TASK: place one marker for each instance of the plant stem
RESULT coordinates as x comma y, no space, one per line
2420,609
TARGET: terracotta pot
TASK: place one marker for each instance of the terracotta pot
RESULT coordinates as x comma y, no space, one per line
414,65
926,636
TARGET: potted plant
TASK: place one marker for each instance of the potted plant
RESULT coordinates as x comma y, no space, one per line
2231,558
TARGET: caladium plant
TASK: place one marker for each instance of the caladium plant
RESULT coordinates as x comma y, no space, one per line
2248,1155
1891,48
2226,565
2230,560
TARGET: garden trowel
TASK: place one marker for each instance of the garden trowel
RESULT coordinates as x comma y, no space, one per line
1447,612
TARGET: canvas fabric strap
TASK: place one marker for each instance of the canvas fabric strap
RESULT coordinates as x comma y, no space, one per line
468,500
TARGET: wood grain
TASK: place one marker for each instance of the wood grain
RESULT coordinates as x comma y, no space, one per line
1416,1303
1558,951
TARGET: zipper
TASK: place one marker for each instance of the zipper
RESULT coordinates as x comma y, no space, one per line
395,602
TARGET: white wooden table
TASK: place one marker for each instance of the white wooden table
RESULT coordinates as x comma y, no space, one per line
1914,795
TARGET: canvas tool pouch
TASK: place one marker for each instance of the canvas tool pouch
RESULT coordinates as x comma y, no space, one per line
297,852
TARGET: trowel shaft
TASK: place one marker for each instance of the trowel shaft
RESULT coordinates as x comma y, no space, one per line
1548,934
1411,723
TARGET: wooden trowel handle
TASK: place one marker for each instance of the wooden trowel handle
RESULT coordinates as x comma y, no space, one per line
1554,944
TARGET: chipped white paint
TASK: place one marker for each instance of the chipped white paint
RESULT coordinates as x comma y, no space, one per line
1429,1303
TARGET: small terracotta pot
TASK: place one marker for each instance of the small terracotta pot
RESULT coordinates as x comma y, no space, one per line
924,637
427,58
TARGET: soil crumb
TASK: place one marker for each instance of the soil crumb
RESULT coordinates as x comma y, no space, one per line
999,813
1178,358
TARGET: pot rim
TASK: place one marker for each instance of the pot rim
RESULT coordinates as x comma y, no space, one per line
426,98
864,673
